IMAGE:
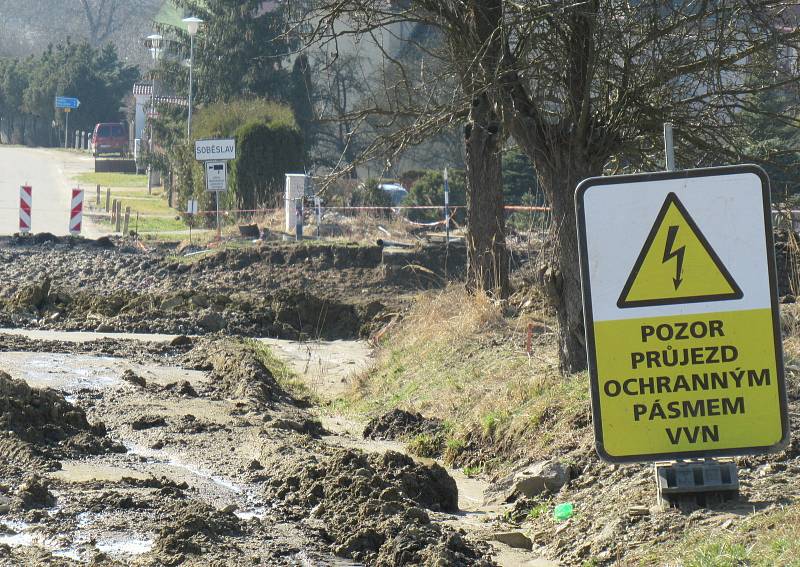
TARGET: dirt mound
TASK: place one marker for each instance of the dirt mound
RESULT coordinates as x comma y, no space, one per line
40,416
372,507
615,512
40,427
401,424
33,493
321,255
236,370
194,526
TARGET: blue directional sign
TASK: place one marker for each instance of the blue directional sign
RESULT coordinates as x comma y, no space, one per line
67,102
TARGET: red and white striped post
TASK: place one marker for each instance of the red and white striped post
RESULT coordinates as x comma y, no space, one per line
25,200
76,212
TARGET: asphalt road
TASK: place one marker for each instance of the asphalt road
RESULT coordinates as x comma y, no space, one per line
50,173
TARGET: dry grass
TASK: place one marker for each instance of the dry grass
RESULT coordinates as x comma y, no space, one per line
460,358
765,539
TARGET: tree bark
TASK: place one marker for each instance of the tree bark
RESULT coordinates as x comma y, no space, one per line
562,278
487,255
560,176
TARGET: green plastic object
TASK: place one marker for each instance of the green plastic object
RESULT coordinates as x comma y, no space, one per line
563,511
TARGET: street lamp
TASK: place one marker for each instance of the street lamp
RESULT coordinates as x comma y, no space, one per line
192,26
155,44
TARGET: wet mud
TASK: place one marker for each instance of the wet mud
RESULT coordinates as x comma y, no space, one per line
193,454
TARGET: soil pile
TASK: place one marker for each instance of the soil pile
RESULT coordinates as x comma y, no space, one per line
283,290
401,424
195,526
39,427
41,416
615,512
236,370
372,507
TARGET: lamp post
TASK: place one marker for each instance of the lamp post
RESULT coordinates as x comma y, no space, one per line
192,26
155,44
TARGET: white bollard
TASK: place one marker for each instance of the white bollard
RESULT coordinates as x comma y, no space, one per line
76,212
25,201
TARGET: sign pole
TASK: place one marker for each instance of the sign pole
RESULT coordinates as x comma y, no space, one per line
66,128
219,227
669,148
446,208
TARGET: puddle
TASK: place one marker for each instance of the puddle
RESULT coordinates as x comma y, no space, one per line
68,553
22,535
156,457
80,471
71,545
66,372
125,546
71,373
246,515
327,366
84,336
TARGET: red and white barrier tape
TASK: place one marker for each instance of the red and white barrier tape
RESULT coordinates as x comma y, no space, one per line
516,208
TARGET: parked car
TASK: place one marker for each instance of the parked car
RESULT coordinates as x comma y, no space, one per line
396,192
109,138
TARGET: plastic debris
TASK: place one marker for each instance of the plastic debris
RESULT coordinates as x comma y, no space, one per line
563,511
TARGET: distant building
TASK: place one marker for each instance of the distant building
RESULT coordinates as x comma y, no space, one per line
143,93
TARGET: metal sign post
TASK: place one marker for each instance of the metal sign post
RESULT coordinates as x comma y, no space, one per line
67,103
669,148
298,227
66,128
446,208
191,210
219,225
318,207
217,182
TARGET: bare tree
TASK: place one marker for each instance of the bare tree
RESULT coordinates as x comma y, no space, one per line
586,92
583,87
33,24
104,18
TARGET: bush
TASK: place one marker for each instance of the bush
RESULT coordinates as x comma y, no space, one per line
429,191
268,145
265,153
224,118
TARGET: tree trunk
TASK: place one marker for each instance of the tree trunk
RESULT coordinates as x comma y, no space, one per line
562,277
487,256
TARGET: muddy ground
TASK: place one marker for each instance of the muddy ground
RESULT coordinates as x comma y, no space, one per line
271,290
192,453
197,451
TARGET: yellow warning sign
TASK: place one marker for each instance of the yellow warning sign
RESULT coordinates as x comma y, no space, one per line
683,331
677,264
683,384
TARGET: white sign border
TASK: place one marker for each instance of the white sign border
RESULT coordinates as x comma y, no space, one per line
216,158
588,319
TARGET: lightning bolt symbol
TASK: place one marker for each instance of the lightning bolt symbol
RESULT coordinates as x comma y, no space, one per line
678,253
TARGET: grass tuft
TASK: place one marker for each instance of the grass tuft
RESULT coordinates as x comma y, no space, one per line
287,378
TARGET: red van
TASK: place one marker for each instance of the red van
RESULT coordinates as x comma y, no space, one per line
110,138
